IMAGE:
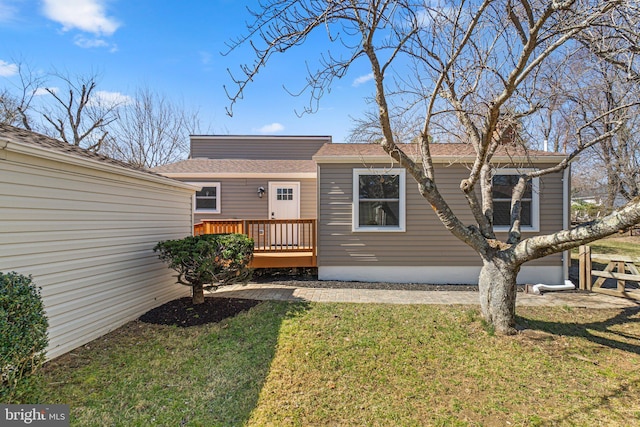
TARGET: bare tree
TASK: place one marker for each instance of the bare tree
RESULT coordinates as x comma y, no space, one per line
78,115
150,130
473,64
16,103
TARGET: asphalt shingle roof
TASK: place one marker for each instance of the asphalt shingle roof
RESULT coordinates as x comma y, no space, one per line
436,150
14,134
238,166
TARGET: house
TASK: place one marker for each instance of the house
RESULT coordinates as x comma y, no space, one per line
264,186
255,177
372,223
84,227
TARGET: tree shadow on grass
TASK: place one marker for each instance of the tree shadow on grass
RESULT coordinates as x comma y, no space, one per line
602,332
171,374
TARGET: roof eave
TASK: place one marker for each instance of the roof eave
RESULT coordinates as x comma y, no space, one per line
13,145
438,159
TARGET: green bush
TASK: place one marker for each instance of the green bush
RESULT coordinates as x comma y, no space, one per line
208,261
23,335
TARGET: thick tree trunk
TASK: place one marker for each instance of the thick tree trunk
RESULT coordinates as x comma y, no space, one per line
198,294
497,285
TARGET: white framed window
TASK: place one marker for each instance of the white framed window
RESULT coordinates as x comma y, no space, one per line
503,182
207,200
379,200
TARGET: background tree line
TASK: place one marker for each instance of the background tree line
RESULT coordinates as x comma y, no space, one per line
145,129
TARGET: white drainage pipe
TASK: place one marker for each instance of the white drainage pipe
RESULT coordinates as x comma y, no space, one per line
568,286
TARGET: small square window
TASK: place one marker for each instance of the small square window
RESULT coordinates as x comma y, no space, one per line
284,194
208,198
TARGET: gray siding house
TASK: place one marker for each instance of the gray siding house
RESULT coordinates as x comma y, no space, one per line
251,177
84,226
373,224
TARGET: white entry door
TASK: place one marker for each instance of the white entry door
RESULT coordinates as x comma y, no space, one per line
284,203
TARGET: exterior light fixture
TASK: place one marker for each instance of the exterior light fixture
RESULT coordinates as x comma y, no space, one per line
260,192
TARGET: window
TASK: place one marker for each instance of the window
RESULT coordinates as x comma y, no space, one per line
207,199
503,182
284,194
378,200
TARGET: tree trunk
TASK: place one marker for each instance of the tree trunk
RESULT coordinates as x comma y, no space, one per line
198,294
497,285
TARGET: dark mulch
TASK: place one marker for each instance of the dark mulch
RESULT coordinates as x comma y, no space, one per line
183,313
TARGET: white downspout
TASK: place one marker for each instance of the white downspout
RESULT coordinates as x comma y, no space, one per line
566,195
568,286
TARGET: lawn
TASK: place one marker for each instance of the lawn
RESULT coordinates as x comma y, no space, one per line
309,364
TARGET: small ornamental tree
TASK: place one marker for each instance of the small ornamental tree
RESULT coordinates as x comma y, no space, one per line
208,261
23,335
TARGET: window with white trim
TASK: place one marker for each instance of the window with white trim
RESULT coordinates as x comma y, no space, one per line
207,200
379,200
504,181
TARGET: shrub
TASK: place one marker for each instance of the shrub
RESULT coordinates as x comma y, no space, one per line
23,334
208,261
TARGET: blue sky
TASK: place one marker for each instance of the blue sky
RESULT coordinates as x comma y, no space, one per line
174,48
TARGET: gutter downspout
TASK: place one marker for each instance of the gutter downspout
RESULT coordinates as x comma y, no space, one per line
568,286
566,206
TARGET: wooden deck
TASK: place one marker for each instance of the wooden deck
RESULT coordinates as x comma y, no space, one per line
279,243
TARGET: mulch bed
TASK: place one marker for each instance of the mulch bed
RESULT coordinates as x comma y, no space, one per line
183,313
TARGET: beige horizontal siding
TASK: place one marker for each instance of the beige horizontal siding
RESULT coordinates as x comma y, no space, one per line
239,198
257,148
86,236
425,242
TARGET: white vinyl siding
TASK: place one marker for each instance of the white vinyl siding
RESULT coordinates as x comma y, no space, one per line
86,236
379,200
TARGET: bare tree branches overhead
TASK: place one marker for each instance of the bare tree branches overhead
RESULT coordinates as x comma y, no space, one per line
151,130
468,71
79,116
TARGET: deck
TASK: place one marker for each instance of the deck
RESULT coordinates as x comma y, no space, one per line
279,243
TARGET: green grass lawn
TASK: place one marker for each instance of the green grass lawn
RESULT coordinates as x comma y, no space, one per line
619,245
297,364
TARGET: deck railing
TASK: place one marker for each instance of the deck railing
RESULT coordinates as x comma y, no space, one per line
269,235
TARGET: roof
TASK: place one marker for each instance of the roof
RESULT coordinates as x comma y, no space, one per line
337,153
230,167
17,139
14,134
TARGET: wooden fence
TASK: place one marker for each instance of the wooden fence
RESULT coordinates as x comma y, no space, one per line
616,269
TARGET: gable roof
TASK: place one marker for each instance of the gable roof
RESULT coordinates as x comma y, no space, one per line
28,142
220,168
441,153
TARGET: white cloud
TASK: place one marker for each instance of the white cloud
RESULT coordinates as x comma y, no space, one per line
89,43
8,12
205,57
110,99
85,15
8,70
362,79
45,91
271,128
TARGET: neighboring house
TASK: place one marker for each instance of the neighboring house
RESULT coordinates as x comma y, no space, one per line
84,226
372,223
251,177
